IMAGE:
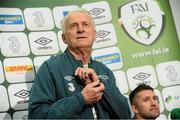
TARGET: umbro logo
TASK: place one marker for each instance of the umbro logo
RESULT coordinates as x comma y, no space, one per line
68,78
102,33
43,41
22,94
96,11
141,76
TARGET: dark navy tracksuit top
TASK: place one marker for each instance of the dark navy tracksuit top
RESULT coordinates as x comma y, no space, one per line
56,92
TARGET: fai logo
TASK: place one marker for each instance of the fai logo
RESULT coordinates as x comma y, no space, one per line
104,78
143,22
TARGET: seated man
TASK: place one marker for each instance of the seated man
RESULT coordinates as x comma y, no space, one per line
144,102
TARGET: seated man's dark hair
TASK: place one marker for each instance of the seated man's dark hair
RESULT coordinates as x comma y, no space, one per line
138,89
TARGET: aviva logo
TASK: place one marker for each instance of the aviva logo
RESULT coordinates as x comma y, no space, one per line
108,59
11,19
20,68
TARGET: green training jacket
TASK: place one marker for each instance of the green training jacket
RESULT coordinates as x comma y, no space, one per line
56,92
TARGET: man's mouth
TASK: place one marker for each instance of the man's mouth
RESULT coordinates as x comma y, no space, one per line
154,109
80,37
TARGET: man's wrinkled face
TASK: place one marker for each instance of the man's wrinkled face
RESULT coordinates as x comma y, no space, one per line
80,31
146,105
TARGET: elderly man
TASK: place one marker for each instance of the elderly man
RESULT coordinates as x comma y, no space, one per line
72,85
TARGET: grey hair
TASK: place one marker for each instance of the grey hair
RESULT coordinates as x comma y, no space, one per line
75,11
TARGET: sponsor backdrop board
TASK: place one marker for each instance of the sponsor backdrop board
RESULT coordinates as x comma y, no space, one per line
175,9
136,39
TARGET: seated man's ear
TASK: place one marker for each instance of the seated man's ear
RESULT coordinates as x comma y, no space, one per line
64,38
134,109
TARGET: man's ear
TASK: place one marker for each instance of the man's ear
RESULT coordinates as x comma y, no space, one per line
64,38
134,109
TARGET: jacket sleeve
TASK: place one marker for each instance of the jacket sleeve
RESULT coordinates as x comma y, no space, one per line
42,99
114,101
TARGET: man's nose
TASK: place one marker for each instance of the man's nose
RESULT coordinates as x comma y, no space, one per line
154,102
80,28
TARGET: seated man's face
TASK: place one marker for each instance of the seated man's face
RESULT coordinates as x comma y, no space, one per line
146,105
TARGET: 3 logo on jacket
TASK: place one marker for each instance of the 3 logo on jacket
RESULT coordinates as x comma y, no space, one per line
70,84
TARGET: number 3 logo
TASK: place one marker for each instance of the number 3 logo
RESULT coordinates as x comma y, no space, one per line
71,87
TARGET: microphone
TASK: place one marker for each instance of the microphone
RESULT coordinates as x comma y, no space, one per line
175,113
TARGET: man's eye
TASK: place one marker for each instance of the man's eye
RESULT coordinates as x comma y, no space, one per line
146,99
73,25
156,98
86,24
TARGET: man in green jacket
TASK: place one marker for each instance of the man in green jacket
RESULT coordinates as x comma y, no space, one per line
72,85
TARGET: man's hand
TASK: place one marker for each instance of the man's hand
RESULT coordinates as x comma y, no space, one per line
92,92
87,75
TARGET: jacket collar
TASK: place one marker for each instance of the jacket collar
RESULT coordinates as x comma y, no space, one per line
72,58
